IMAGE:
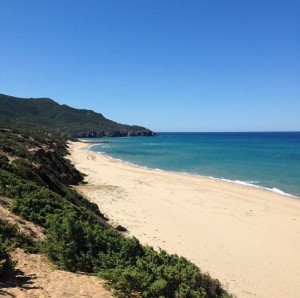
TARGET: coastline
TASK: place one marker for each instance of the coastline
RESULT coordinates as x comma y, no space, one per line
247,237
240,182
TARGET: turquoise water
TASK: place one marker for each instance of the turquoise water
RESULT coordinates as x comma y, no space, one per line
270,160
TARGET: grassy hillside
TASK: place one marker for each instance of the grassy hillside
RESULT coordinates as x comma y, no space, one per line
35,177
46,114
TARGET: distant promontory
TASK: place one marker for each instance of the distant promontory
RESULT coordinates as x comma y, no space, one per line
48,115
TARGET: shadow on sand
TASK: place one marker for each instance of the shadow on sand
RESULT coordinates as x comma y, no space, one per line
16,279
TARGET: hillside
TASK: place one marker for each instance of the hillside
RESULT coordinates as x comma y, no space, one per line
42,214
46,114
34,275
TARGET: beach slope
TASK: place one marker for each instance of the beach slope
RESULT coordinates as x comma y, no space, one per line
247,238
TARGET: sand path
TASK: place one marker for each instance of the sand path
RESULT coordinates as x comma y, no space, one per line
247,238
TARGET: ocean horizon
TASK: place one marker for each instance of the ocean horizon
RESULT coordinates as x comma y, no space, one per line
269,160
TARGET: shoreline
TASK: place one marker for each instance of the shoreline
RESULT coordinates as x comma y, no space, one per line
91,144
247,237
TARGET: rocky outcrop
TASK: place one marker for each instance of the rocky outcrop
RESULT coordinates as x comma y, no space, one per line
101,134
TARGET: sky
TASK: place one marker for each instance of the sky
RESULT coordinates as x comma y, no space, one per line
168,65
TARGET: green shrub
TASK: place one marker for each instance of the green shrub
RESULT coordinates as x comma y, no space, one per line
11,237
6,263
75,244
132,269
158,274
14,186
37,205
4,162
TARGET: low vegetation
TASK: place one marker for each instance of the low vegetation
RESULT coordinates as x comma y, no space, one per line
6,263
35,174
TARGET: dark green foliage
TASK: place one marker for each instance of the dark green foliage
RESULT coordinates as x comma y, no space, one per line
11,237
37,205
132,269
89,207
162,275
66,244
46,114
79,245
13,186
6,263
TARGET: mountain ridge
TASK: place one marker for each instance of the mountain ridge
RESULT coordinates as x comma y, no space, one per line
46,114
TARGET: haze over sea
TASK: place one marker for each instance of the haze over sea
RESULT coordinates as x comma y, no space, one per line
262,159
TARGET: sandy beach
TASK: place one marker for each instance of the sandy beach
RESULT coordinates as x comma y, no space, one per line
247,238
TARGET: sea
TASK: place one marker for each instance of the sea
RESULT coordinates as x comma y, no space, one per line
269,160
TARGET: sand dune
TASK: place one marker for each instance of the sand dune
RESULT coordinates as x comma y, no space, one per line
247,238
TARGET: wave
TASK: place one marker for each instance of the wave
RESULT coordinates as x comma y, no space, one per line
254,184
150,144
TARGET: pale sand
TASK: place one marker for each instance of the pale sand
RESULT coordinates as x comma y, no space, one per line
38,278
247,238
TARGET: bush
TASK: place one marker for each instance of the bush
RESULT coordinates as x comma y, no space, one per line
4,161
6,263
13,186
132,269
37,205
11,237
158,274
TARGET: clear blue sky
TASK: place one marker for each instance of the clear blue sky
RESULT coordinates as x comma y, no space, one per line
169,65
